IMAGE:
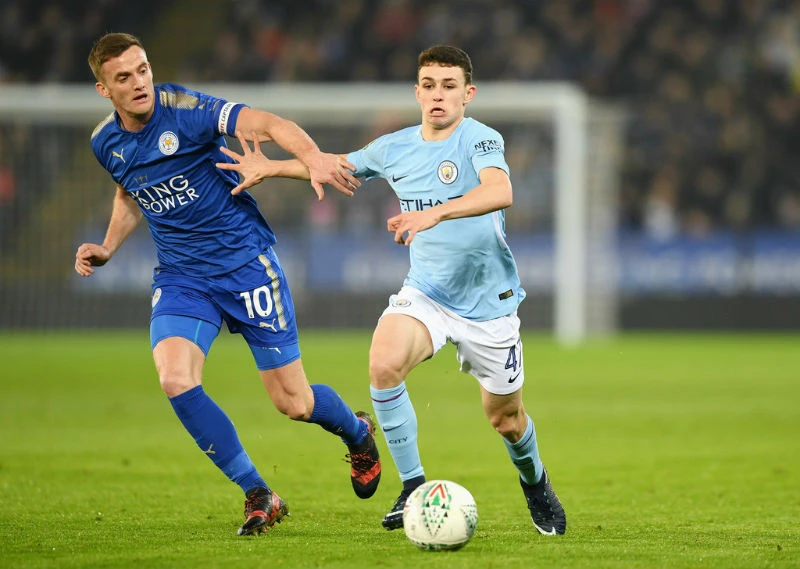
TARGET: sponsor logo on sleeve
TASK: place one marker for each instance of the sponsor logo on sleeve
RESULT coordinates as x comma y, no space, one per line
485,146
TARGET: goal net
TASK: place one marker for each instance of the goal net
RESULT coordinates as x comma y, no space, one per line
563,151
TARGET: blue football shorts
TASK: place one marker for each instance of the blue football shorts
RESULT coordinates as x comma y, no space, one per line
253,300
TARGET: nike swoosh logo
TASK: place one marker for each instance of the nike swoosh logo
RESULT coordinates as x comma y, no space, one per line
398,178
514,378
541,531
390,429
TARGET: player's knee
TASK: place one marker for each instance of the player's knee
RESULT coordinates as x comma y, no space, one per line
384,374
173,384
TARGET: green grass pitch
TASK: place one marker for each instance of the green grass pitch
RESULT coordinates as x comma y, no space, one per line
666,450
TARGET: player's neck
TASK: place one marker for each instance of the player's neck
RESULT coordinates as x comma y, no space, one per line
134,123
432,134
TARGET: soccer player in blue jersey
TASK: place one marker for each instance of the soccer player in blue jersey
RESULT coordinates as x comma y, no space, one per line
215,260
453,184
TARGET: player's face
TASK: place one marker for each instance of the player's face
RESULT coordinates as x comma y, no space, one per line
442,93
128,82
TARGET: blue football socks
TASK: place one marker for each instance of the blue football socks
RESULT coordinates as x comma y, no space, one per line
525,455
332,414
397,418
216,436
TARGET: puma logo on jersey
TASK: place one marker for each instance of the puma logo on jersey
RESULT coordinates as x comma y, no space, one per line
118,154
270,325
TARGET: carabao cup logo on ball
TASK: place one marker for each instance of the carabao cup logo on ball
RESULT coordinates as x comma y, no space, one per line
440,515
168,143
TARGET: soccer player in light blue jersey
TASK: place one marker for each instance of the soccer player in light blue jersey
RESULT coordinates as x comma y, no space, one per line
215,260
453,184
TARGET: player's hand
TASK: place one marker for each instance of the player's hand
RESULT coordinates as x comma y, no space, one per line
90,255
251,164
332,170
405,226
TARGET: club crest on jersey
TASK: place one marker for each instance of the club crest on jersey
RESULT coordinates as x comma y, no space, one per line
399,302
168,143
156,296
447,172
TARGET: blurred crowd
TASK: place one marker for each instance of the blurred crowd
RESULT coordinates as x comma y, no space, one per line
49,40
710,88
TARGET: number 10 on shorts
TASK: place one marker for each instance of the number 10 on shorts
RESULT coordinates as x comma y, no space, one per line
259,301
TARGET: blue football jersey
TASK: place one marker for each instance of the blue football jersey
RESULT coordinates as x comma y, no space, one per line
464,264
168,168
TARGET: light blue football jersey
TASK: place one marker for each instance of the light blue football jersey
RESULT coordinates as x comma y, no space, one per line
464,264
168,168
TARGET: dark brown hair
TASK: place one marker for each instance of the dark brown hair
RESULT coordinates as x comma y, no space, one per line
447,56
109,46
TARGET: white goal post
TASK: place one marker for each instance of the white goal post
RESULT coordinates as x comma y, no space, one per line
585,163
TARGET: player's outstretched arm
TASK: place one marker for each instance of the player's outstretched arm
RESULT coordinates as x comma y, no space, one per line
253,166
323,168
125,215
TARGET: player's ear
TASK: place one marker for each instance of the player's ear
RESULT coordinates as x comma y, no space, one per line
102,90
416,92
470,93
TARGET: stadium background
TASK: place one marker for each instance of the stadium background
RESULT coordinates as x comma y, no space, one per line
708,196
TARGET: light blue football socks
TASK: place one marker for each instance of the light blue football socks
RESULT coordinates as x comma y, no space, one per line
397,418
525,455
216,436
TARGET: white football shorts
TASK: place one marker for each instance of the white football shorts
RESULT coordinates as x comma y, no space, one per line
491,351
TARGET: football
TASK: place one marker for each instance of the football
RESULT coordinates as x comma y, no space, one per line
440,515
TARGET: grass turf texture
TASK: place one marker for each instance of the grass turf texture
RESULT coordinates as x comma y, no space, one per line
666,450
